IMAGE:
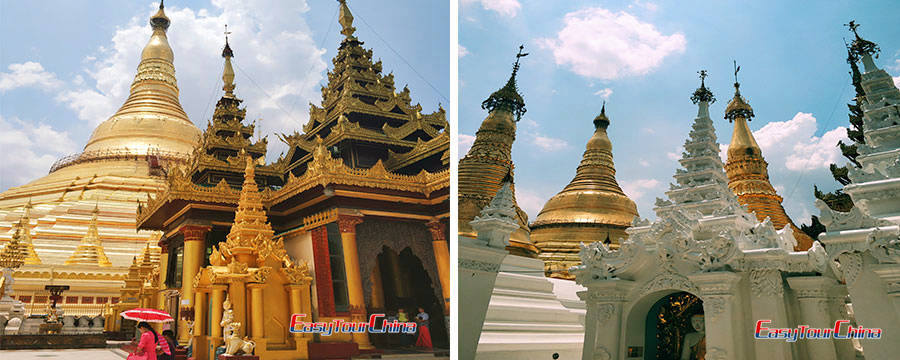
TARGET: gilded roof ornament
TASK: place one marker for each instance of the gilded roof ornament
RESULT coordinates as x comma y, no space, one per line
702,93
508,97
160,20
738,107
861,47
346,20
228,72
601,120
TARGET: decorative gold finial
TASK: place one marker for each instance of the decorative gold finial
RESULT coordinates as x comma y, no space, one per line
861,47
601,121
508,98
738,107
228,72
346,20
160,20
702,93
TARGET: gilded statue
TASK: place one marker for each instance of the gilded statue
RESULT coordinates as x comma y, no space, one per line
233,341
694,346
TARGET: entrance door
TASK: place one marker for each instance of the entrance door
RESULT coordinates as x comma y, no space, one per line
406,284
668,328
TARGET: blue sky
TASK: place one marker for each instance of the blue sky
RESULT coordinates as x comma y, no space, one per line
643,57
65,66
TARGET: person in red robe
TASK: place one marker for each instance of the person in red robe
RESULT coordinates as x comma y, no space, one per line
424,339
146,348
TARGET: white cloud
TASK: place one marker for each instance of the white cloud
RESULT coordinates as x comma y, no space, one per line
676,154
793,143
29,150
530,131
547,143
646,5
463,51
508,8
531,201
635,189
597,43
643,162
28,74
897,81
263,36
604,93
465,143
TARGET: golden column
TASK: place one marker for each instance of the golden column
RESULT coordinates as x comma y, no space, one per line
194,249
441,258
256,305
163,274
199,323
298,292
217,298
347,225
377,289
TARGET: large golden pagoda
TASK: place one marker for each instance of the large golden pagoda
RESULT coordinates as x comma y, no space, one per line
488,164
124,161
748,174
591,208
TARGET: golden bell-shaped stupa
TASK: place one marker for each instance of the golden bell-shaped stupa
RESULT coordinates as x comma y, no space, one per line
748,174
151,120
591,208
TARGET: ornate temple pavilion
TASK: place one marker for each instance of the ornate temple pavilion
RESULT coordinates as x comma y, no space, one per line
360,201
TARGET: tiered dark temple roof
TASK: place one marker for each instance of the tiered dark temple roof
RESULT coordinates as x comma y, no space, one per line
363,138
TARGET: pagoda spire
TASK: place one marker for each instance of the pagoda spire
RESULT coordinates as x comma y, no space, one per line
251,226
508,97
90,251
592,206
228,73
151,117
346,20
488,163
862,49
700,183
748,174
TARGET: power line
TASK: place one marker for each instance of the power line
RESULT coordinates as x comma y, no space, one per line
404,59
321,44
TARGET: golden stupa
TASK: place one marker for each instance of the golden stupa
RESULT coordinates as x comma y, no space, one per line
591,208
90,251
489,163
748,174
121,164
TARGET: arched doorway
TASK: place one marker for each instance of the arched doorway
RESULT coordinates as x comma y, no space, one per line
405,284
668,324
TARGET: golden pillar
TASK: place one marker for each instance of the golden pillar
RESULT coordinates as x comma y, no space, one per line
163,275
194,249
199,323
298,306
256,311
238,293
441,259
377,289
217,298
396,274
347,225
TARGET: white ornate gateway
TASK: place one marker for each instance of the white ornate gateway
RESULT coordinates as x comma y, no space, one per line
707,255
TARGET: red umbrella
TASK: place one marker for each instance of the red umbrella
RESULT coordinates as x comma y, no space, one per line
148,315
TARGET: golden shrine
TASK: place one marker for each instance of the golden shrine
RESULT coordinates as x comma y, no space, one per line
748,175
488,164
592,207
351,220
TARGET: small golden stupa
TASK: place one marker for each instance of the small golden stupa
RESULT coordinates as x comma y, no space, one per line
591,208
90,251
748,174
488,164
